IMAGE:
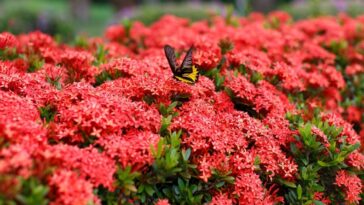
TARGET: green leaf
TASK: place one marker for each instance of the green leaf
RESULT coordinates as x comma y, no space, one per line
229,179
256,77
186,154
143,198
299,192
166,121
48,112
33,192
327,164
322,164
171,159
220,184
154,153
163,109
332,146
353,147
130,187
339,159
304,173
317,187
219,81
225,45
294,149
149,189
100,55
160,148
304,161
127,23
141,188
176,190
305,131
181,185
316,202
287,183
167,192
257,160
172,106
175,141
292,196
309,202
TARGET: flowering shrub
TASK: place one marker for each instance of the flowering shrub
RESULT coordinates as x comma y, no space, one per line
276,116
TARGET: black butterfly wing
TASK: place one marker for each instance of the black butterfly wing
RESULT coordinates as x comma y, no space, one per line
171,57
186,66
187,72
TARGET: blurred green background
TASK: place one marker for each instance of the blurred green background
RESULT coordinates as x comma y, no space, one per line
67,18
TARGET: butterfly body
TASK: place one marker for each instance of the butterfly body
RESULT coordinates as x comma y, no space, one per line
186,72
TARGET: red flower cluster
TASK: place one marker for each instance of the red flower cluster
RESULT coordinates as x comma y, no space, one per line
71,116
351,184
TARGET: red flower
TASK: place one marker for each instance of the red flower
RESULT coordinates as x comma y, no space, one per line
249,190
354,114
115,33
354,69
138,31
321,136
320,197
69,189
162,202
333,119
334,76
207,54
89,163
78,65
116,50
132,149
16,161
289,75
351,185
20,121
83,112
242,162
237,83
321,30
221,199
356,159
252,59
7,40
280,16
35,41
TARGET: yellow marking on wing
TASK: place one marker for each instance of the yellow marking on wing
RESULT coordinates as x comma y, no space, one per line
193,75
184,80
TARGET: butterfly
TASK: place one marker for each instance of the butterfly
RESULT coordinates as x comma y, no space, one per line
187,72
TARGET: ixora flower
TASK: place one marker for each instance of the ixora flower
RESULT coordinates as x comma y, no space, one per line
162,202
275,116
350,184
7,40
70,189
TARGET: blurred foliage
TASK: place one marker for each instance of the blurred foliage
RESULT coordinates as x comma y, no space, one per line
314,8
29,191
150,13
318,161
23,20
51,17
54,17
172,175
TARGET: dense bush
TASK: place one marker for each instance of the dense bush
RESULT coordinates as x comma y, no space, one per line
23,20
276,116
311,8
